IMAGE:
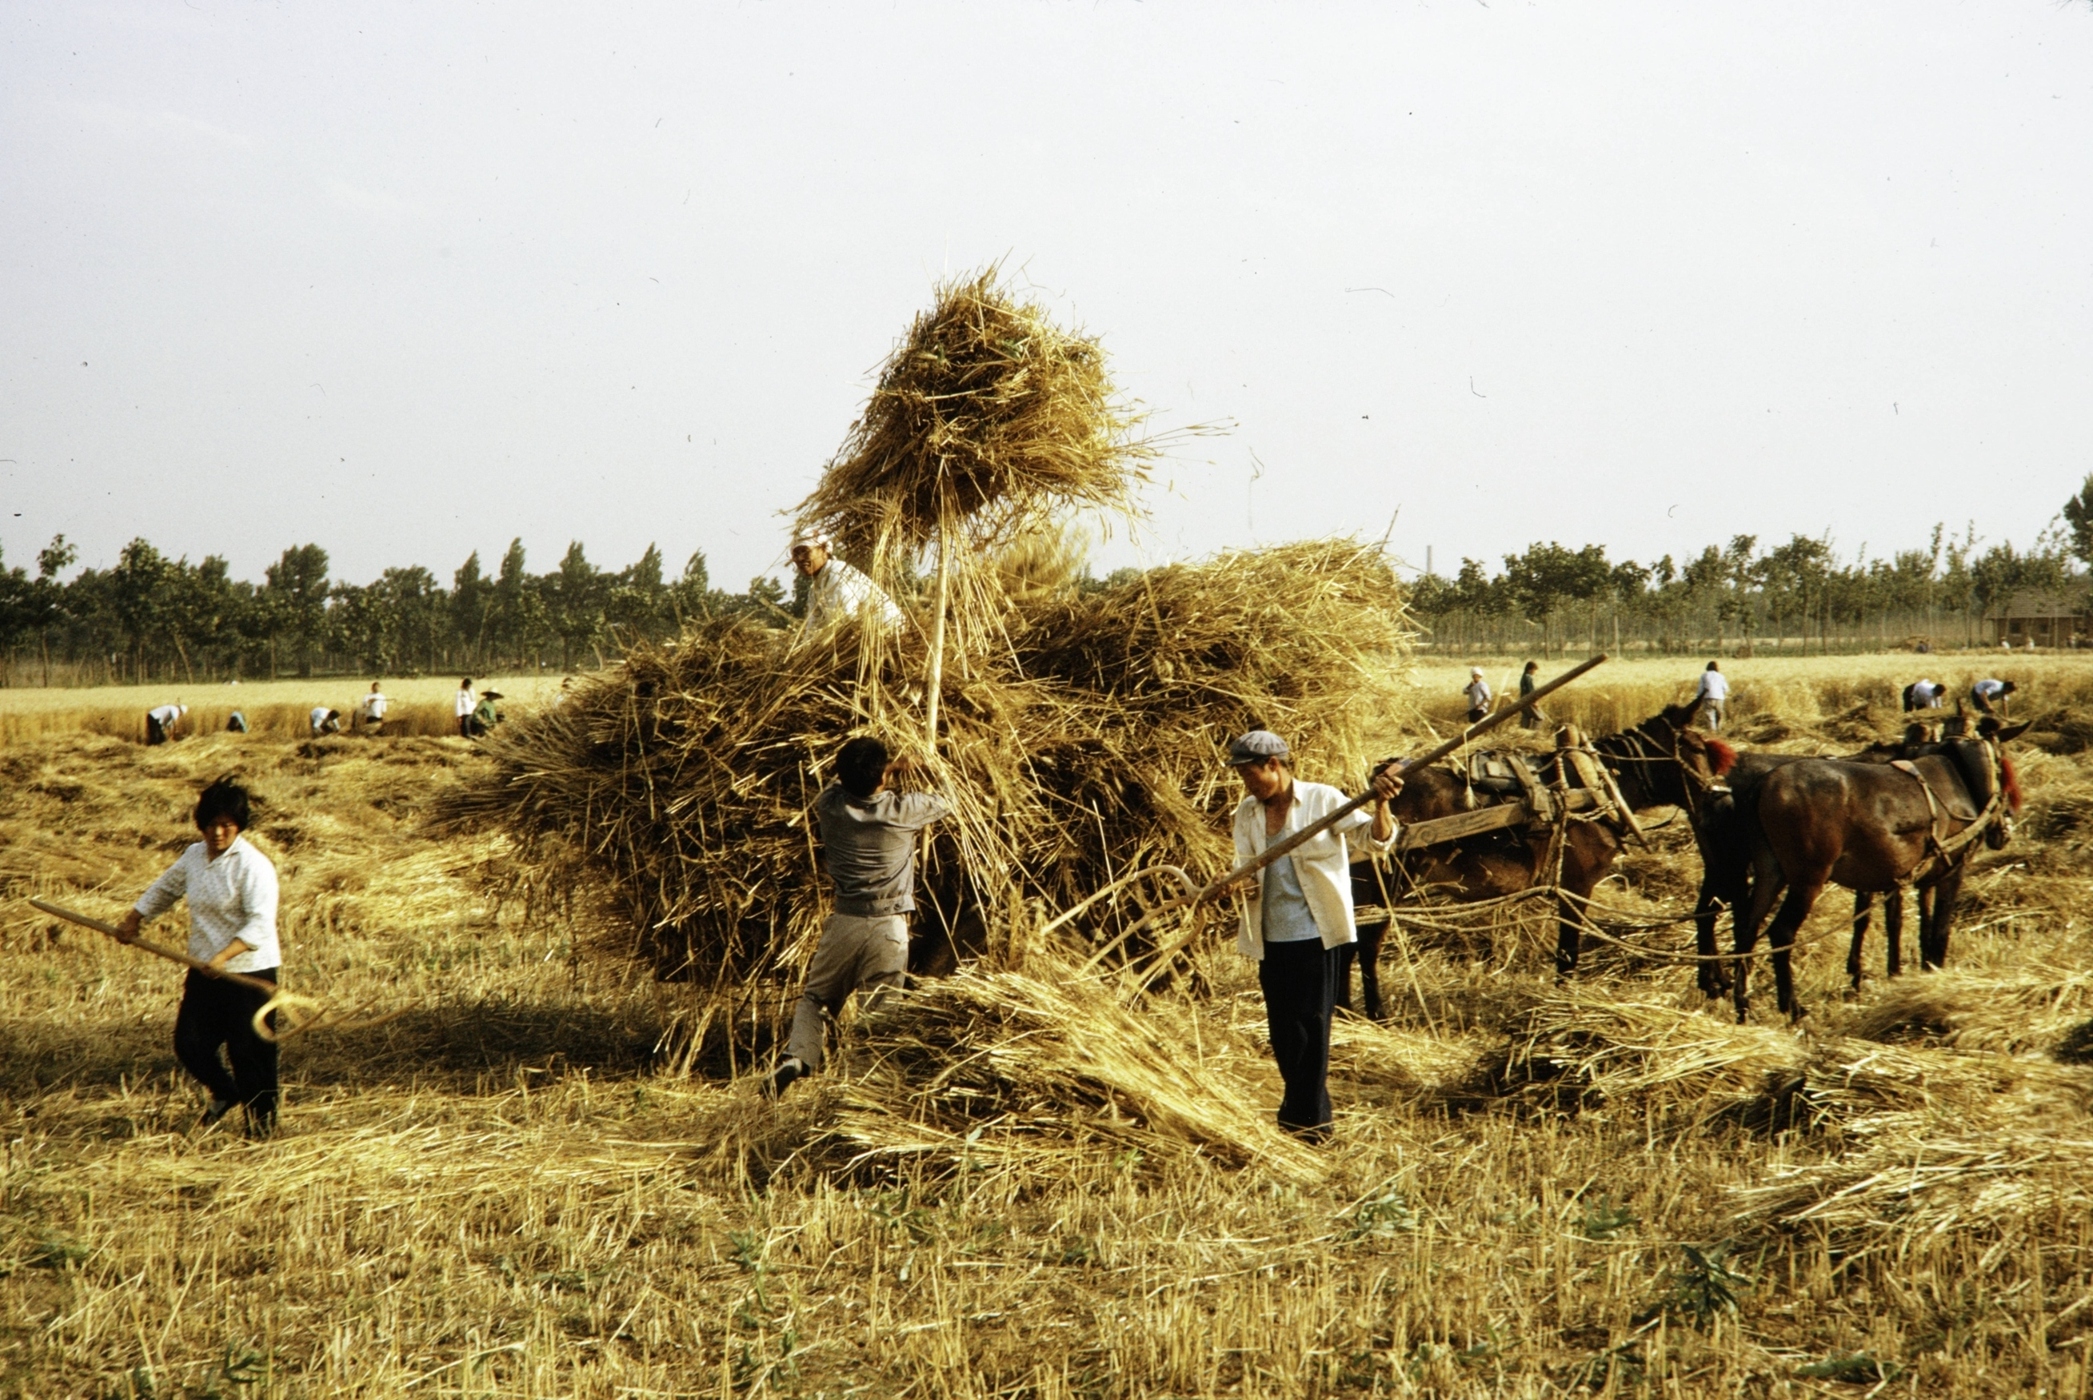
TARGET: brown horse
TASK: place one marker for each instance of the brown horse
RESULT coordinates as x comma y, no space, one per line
1872,827
1660,762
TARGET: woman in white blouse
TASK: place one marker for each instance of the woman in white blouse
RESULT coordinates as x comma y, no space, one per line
232,893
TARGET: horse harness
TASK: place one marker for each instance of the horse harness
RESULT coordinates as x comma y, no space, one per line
1942,850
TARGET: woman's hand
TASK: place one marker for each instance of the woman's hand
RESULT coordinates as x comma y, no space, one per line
228,953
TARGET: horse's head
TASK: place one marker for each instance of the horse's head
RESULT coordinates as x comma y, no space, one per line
1665,760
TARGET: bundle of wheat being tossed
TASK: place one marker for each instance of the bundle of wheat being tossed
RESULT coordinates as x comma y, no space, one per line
1081,728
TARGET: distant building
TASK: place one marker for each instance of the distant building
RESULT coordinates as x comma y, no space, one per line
2051,619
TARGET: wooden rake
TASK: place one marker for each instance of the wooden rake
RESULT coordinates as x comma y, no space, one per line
299,1014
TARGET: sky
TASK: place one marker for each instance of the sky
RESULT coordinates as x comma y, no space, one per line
409,280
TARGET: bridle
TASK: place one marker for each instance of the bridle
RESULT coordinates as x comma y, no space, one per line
1639,746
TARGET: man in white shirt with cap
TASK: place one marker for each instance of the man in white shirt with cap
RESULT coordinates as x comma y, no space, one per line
835,589
1297,911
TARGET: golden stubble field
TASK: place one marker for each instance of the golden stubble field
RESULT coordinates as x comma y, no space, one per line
1603,1188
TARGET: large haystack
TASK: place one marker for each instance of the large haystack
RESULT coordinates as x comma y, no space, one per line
1081,727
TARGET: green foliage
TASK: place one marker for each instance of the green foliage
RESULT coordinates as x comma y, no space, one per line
1853,1367
1702,1285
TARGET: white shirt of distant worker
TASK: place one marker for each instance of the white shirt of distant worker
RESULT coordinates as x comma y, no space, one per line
370,711
836,590
1711,696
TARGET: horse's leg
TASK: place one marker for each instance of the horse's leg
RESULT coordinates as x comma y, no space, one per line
1934,925
1745,924
1863,909
1893,930
1707,973
1370,969
1795,909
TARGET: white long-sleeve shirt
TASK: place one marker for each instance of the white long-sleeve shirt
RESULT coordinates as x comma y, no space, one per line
840,591
1714,686
231,897
1322,864
1478,693
465,701
373,706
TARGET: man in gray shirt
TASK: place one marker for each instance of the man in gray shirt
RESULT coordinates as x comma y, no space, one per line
868,841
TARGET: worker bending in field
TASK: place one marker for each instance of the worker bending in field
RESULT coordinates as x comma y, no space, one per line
834,589
323,721
868,843
232,893
1989,695
160,722
1297,912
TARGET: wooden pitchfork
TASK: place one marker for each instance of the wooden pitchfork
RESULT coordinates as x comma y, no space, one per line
1194,895
299,1014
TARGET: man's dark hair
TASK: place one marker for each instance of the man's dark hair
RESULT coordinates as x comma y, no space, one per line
860,765
224,799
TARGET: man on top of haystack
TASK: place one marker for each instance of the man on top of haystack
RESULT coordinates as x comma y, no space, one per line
836,590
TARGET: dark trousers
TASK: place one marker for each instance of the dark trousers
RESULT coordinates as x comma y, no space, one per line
218,1013
1300,987
154,733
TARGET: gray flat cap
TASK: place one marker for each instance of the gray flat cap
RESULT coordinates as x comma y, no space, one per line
1255,747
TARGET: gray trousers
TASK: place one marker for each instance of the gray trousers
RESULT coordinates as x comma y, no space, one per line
855,952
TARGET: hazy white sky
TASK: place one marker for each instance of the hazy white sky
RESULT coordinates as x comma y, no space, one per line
408,280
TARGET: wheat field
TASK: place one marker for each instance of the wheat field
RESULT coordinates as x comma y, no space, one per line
531,1185
421,705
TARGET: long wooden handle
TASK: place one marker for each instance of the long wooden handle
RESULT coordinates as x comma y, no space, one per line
197,964
1424,760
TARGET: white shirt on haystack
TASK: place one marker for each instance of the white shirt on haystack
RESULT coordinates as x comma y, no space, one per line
1322,864
231,897
840,591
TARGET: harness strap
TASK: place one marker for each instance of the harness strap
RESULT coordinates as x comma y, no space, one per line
1942,850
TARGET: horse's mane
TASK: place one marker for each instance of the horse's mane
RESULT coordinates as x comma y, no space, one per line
2012,776
1721,756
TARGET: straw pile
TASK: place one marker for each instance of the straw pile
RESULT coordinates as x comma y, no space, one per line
988,416
678,784
1025,1070
1081,728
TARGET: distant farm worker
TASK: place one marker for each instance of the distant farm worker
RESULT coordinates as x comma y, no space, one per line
160,722
1989,695
1712,696
1923,694
1529,715
231,889
370,711
484,715
835,589
324,721
236,722
1478,692
868,843
1297,912
464,706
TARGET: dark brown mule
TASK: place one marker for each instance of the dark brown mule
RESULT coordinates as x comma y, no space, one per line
1871,827
1660,762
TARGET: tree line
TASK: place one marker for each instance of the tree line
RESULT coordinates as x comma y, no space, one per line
151,617
1798,595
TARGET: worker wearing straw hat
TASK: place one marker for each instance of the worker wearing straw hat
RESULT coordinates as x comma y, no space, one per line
835,590
868,843
232,893
1297,912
